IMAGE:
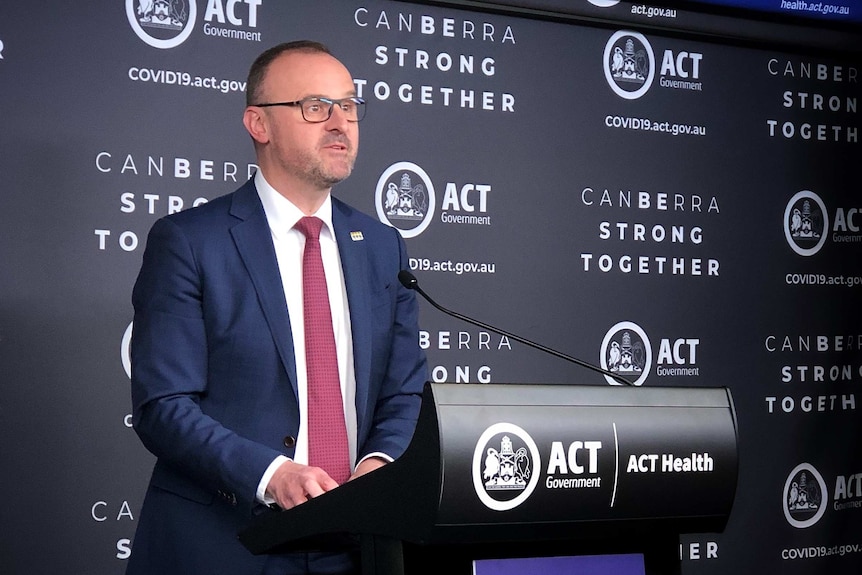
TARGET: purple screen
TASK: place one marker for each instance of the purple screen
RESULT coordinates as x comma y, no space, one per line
629,564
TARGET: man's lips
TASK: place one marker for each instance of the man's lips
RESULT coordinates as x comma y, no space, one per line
337,145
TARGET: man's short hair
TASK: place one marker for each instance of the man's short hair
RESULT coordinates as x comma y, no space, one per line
257,72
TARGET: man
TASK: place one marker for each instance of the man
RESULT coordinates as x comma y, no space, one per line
222,378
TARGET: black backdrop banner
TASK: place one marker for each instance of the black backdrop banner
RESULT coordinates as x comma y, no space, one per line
681,208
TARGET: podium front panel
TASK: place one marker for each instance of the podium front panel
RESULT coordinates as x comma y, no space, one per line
556,454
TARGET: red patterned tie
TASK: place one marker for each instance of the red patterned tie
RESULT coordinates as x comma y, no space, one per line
327,432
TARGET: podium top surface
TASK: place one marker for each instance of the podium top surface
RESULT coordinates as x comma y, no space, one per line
578,395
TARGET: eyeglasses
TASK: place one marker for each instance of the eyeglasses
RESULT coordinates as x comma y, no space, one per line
317,109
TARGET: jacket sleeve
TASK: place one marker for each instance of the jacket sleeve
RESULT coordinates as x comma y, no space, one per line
405,372
169,353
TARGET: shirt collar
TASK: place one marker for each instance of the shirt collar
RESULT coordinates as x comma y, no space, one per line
282,214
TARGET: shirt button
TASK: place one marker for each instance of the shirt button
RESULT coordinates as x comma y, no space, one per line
289,441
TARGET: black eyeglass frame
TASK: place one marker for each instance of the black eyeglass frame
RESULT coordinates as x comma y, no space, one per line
332,102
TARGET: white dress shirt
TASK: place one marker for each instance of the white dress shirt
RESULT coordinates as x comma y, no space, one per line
289,244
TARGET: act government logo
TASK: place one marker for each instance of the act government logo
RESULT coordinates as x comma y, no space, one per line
804,496
162,23
405,198
629,64
126,351
505,466
626,350
806,223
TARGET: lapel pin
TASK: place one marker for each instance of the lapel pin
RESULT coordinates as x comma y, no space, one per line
356,236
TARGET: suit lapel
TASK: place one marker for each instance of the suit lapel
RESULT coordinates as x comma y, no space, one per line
353,251
254,244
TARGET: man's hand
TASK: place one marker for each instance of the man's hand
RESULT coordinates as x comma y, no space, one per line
294,483
368,465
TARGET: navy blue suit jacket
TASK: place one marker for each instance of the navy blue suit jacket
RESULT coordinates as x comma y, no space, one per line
214,378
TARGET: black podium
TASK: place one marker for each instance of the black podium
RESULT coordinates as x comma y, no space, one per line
506,471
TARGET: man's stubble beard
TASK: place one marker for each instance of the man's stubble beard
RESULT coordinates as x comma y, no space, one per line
313,169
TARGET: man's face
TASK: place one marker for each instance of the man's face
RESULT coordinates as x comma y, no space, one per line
317,154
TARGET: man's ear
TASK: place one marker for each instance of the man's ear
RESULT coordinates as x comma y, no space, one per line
255,123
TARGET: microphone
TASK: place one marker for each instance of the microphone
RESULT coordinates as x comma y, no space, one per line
409,281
